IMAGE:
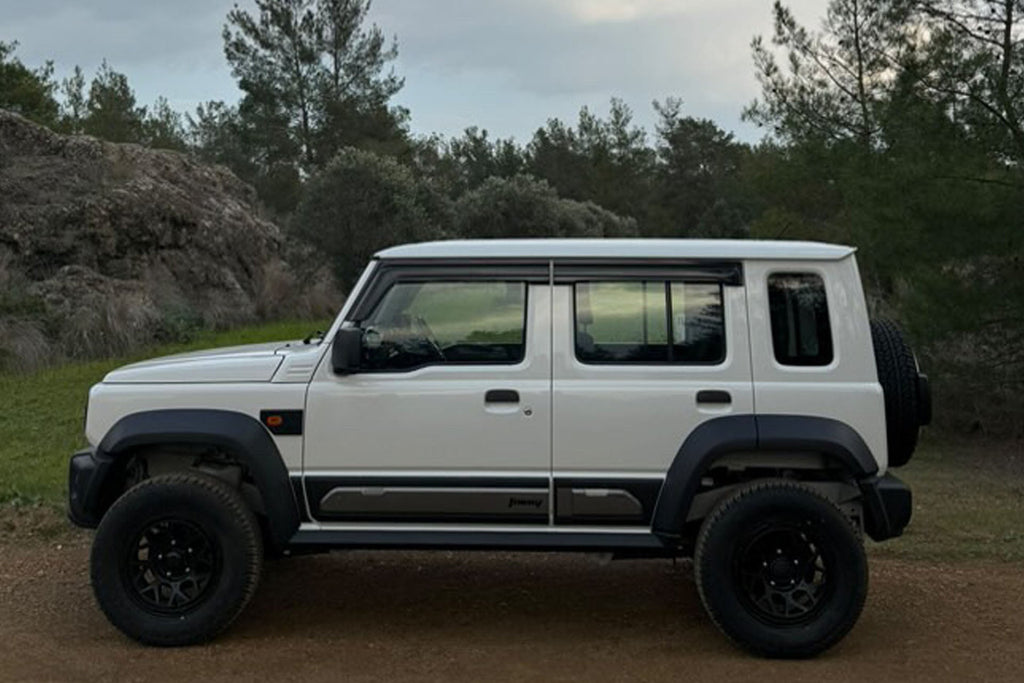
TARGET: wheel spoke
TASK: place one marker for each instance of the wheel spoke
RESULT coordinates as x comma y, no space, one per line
170,566
780,570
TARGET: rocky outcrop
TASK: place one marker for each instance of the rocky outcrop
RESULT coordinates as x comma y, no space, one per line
107,246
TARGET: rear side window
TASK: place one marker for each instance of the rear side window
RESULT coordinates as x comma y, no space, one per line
801,334
649,322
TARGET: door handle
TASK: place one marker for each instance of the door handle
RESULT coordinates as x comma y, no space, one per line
501,396
713,396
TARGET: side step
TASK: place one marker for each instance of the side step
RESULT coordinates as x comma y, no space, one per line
484,540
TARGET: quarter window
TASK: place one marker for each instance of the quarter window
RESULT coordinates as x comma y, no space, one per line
427,323
649,322
801,333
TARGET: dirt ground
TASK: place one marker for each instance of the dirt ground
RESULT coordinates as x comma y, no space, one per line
493,616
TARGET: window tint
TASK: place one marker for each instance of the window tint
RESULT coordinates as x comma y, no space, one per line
633,322
698,333
428,323
799,312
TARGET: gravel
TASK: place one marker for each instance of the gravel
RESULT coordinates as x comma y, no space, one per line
498,616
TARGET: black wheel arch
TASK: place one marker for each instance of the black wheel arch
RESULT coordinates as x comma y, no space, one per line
723,436
238,434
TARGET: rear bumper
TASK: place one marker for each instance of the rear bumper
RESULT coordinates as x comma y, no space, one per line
888,506
86,476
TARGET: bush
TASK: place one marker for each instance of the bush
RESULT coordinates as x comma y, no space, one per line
361,203
523,206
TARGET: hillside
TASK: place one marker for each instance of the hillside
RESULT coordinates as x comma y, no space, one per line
105,247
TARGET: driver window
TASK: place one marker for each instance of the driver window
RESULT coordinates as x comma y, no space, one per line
431,323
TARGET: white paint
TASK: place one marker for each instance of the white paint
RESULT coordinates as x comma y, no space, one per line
620,248
846,390
108,403
434,419
633,418
598,420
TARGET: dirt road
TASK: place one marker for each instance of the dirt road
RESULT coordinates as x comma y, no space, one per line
489,616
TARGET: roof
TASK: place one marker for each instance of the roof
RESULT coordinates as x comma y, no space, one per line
619,248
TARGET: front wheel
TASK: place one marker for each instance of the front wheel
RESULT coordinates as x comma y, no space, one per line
176,559
781,570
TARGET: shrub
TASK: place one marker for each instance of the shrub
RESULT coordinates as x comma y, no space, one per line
523,206
361,203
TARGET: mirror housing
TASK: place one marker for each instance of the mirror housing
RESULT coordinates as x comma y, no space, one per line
347,351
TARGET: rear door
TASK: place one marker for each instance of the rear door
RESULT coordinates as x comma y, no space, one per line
642,356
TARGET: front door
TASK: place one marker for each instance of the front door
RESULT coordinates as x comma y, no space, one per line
449,419
641,359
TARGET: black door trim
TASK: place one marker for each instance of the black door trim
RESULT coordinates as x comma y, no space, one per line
605,502
436,499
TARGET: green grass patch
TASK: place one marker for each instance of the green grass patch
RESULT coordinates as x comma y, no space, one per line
41,419
968,504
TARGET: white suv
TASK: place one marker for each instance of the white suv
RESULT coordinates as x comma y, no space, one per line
723,400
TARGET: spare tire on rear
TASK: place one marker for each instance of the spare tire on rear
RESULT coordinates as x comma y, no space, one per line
907,399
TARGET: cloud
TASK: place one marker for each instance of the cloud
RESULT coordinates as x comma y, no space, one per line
503,64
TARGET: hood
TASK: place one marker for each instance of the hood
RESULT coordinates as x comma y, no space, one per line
249,363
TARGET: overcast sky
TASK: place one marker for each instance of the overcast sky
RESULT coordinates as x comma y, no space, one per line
503,65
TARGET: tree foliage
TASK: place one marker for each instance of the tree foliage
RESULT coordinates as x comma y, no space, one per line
29,92
897,129
835,79
360,203
321,70
522,206
111,111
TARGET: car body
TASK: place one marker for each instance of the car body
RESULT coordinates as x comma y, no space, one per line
597,395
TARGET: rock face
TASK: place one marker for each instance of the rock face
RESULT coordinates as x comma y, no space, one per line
107,246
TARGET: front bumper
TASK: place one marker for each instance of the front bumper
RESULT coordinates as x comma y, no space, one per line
87,474
888,506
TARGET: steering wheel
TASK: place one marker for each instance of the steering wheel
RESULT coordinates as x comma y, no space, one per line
428,334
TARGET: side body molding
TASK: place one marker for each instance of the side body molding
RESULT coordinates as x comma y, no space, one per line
737,433
240,435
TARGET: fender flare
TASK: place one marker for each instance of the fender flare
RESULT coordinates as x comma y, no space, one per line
721,436
239,434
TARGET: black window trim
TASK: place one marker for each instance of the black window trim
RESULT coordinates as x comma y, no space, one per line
670,360
803,367
697,271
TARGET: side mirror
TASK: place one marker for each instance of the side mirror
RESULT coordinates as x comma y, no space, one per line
347,351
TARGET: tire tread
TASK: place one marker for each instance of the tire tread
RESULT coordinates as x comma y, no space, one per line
724,508
233,502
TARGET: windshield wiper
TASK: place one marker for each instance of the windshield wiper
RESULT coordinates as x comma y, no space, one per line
318,334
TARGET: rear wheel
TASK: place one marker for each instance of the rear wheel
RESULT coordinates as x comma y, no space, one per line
780,570
176,559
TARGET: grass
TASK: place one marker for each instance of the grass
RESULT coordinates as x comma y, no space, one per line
968,503
968,495
41,419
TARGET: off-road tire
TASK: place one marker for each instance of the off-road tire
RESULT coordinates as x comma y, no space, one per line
201,505
898,375
720,561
